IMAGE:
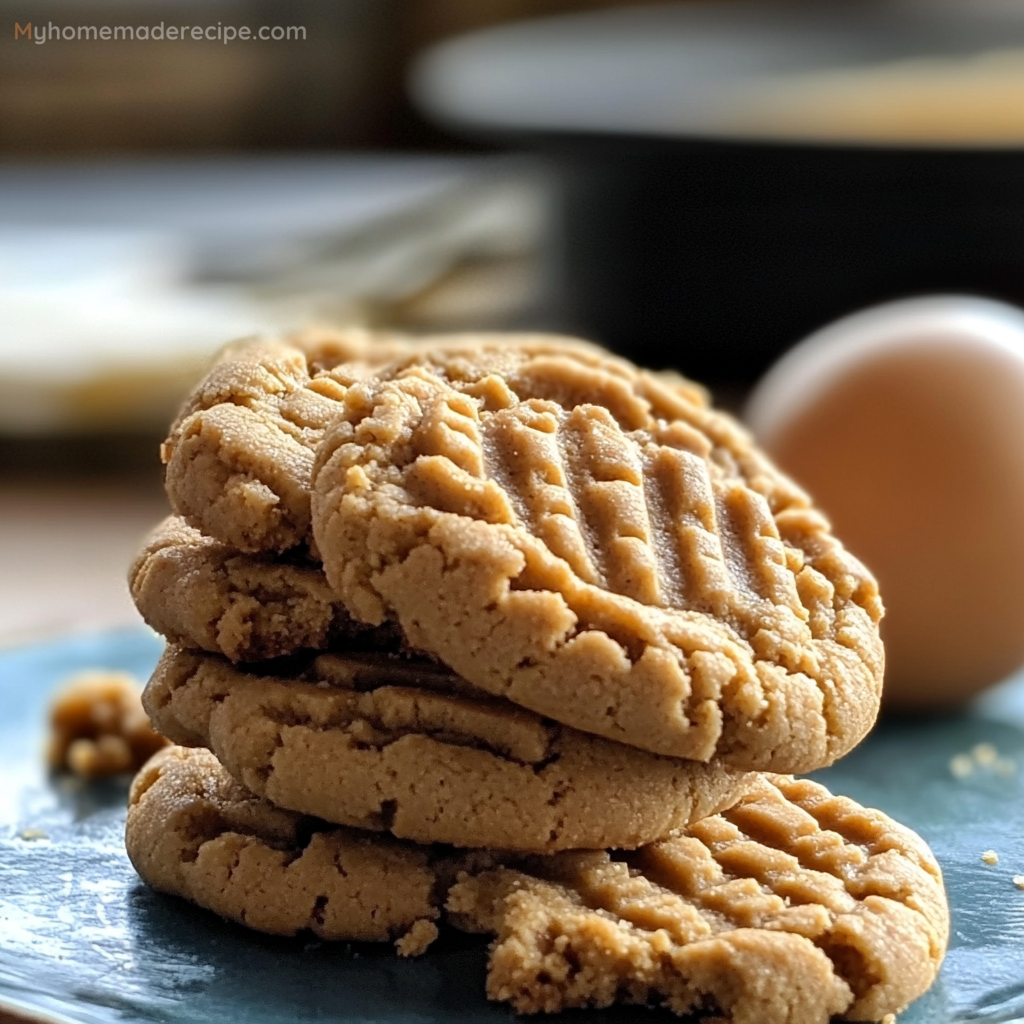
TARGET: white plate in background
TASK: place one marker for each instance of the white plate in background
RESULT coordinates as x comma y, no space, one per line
918,72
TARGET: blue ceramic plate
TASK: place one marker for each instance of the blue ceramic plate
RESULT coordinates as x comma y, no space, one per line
81,939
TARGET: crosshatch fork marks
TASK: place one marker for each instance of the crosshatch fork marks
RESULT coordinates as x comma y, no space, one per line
759,908
586,489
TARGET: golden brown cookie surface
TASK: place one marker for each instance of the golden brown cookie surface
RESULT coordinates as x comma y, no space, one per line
195,832
200,593
385,743
553,522
794,905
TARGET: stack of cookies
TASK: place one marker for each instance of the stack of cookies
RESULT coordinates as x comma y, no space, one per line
506,633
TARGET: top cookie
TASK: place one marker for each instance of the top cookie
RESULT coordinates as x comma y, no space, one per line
595,543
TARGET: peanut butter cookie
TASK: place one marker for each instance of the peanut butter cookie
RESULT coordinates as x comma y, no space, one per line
596,544
793,906
387,743
195,832
200,593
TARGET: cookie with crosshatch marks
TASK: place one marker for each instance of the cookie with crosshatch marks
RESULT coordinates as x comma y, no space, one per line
388,743
195,832
200,593
794,905
595,543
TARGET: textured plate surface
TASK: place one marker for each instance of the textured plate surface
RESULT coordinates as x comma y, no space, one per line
82,940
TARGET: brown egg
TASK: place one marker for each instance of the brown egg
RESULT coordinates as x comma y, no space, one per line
906,424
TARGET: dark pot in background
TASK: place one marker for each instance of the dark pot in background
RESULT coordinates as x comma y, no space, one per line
715,257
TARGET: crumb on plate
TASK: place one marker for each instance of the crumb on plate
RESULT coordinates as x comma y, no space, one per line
985,754
417,938
98,726
990,857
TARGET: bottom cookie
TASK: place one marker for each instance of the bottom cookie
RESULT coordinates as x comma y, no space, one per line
794,906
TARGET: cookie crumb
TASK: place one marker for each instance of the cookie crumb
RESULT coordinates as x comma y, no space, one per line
98,727
30,834
961,766
985,754
417,938
1018,880
889,1018
990,857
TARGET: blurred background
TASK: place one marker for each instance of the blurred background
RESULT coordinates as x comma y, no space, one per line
698,185
160,197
